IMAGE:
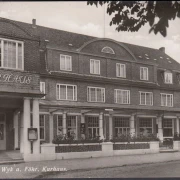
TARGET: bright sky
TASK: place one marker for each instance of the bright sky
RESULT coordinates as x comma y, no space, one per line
80,18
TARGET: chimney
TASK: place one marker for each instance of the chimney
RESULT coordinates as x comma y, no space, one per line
162,49
34,23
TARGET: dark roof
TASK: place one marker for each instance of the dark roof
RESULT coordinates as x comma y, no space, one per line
62,39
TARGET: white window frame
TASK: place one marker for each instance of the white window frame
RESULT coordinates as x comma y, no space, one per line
172,127
106,47
170,75
140,92
119,66
144,70
74,92
172,99
43,88
65,69
92,64
2,53
93,119
42,127
122,90
89,95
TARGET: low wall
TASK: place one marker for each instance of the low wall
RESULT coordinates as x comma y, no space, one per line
72,151
176,145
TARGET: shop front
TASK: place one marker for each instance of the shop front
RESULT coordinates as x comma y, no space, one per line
2,132
19,98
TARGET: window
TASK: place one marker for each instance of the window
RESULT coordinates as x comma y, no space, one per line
11,54
168,77
122,96
94,66
146,98
144,73
59,125
42,88
71,126
93,126
167,100
96,94
2,127
167,128
147,124
65,63
66,92
121,70
121,125
107,50
42,126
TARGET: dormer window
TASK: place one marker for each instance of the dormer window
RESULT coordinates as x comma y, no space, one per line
168,77
144,75
65,62
121,70
11,54
108,50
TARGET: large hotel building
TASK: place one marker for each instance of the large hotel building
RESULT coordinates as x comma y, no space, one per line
56,81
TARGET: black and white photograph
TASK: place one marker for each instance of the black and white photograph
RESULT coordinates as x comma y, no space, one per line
89,89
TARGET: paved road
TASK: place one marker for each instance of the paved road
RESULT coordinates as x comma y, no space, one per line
168,169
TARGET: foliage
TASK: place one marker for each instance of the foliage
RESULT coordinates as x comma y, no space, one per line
138,138
64,139
132,15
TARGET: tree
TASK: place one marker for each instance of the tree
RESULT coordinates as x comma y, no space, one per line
132,15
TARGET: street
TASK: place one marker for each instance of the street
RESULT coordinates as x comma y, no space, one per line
166,169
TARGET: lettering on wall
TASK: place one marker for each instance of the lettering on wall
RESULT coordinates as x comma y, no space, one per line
11,78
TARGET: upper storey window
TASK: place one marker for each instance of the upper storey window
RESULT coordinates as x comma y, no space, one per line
65,62
167,100
122,96
168,77
94,66
144,73
108,50
11,54
66,92
146,98
121,70
96,94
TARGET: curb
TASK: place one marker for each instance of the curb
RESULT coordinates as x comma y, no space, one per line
43,174
11,162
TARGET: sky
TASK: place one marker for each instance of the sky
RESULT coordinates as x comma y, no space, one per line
81,18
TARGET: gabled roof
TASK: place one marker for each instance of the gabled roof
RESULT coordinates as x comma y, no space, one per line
64,39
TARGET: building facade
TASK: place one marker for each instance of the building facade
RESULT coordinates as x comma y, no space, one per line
58,81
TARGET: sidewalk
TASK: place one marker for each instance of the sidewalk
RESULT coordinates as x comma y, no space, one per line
27,170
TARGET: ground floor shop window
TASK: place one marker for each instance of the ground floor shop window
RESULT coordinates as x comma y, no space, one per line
121,126
167,127
42,127
146,126
93,127
71,126
2,126
59,125
1,131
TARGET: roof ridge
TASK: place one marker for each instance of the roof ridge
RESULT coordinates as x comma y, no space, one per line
77,33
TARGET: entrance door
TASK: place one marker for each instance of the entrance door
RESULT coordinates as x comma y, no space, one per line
2,132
